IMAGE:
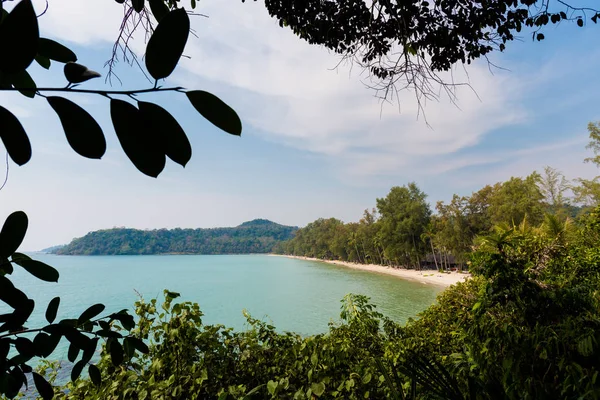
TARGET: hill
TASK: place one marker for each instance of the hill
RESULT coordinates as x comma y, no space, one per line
257,236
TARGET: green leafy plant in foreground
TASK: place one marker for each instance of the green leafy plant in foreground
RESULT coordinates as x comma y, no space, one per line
20,344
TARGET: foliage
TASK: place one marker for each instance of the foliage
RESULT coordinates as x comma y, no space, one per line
404,218
588,191
19,344
188,359
258,236
404,44
147,132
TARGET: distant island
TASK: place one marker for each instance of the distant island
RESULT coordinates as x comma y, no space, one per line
257,236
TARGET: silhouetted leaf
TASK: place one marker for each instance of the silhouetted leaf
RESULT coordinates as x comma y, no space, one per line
13,231
4,348
83,132
139,345
42,386
90,313
159,9
107,333
25,347
45,344
125,319
95,375
73,352
138,5
39,270
216,111
55,51
116,352
141,147
166,44
14,137
77,338
77,73
11,295
168,131
88,352
52,309
13,383
76,371
19,256
19,34
23,82
43,61
128,347
22,313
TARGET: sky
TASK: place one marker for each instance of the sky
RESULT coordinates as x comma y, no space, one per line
316,142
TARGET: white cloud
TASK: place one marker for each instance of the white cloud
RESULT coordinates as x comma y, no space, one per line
286,89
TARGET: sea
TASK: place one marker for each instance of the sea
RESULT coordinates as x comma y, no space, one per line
291,294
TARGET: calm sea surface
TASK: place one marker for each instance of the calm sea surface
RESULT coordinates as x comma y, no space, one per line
295,295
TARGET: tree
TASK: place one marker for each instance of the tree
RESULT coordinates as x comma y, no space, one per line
148,135
588,190
406,44
553,185
515,200
404,218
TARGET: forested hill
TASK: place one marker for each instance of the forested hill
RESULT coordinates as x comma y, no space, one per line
257,236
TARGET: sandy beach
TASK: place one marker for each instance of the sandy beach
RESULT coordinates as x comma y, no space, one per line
428,276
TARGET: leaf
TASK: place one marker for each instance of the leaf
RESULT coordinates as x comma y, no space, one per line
116,352
45,344
159,9
42,386
73,352
90,313
271,387
216,111
25,347
77,368
139,345
55,51
20,34
88,352
167,43
95,375
128,347
83,132
39,270
14,137
141,147
77,73
168,131
318,388
23,82
579,22
138,5
52,309
11,295
13,231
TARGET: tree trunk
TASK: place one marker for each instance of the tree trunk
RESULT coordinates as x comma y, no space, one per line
433,252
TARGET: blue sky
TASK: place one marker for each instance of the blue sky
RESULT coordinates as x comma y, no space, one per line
316,142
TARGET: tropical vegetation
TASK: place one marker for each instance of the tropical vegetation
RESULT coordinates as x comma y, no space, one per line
403,230
257,236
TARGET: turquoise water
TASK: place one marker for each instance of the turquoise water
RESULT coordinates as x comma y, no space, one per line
295,295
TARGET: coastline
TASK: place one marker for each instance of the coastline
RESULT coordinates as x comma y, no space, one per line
432,277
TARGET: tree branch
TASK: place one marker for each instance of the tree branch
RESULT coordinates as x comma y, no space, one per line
100,92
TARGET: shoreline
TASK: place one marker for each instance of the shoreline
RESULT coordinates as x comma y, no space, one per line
426,277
